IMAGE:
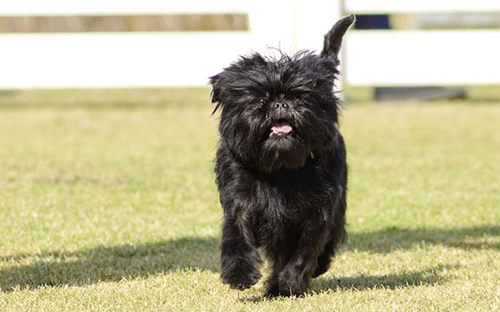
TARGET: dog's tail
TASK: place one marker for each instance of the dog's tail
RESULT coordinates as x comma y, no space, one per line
333,39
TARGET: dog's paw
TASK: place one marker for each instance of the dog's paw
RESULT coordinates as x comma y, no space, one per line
273,291
322,268
241,281
240,286
289,283
280,287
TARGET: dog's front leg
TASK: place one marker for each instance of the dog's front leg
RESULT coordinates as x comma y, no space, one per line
239,257
295,276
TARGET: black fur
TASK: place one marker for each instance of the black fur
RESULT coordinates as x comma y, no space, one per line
283,192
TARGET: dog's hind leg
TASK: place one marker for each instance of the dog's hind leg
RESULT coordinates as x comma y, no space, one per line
325,259
337,237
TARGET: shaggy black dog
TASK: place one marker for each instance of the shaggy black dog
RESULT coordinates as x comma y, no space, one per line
281,166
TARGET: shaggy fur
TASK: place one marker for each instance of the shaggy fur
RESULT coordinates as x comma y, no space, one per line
281,166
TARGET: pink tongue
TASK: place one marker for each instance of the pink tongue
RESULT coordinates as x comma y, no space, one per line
281,127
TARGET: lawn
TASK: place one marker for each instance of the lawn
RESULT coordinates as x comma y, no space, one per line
107,203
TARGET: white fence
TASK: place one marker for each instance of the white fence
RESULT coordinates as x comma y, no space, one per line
157,59
422,57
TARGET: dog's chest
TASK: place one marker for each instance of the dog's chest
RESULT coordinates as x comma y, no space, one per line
288,199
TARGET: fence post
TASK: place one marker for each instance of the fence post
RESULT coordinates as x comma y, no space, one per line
313,19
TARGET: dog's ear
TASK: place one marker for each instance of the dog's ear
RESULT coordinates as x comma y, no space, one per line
333,39
216,83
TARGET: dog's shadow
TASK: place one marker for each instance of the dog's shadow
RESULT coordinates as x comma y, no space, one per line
107,264
389,239
115,263
428,276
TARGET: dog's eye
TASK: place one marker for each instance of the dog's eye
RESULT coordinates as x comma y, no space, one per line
262,101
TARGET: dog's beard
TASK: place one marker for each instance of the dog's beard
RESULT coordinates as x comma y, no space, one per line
289,141
282,147
283,151
282,155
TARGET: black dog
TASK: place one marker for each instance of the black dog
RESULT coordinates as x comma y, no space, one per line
281,166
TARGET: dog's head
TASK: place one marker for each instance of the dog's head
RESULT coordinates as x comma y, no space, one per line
279,112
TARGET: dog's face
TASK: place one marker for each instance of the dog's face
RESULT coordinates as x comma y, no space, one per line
279,112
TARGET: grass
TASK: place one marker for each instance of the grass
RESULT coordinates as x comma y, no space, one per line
107,203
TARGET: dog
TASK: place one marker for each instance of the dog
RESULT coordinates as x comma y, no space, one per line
281,166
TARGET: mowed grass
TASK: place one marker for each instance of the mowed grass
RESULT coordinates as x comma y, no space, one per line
107,203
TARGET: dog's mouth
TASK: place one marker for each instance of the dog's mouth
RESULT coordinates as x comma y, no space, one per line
280,128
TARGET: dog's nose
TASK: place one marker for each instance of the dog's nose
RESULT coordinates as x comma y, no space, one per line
279,106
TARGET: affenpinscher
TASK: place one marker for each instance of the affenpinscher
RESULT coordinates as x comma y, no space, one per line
281,166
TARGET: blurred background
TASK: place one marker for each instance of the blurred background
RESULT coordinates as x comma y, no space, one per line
406,50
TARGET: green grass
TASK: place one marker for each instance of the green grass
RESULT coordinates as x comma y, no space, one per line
107,203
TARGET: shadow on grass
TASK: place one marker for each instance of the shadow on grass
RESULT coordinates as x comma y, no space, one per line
429,276
116,263
394,238
108,264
